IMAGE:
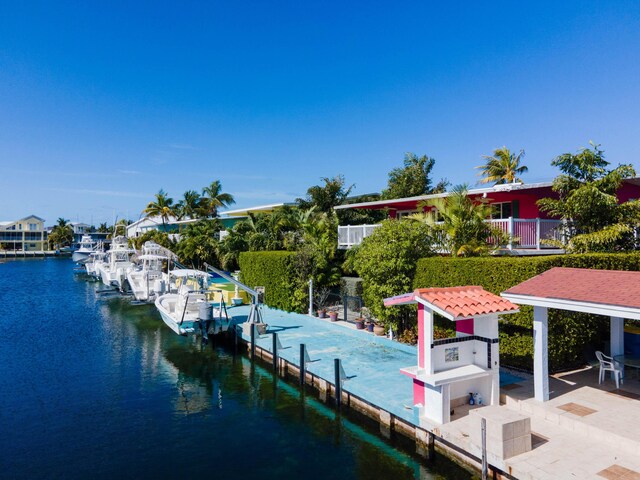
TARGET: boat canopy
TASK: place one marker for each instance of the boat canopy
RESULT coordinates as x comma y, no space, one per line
189,272
148,256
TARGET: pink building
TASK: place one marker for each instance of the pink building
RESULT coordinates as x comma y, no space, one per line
515,211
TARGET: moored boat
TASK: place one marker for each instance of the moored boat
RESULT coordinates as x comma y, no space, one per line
149,279
189,310
113,272
86,248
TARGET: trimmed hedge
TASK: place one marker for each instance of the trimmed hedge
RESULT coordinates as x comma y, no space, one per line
572,336
273,270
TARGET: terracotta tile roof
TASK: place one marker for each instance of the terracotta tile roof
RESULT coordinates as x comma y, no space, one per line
605,287
465,302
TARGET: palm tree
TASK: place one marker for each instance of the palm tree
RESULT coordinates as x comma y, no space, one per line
162,207
62,222
103,227
502,167
215,198
191,205
463,230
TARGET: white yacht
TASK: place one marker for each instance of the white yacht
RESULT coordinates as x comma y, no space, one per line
113,272
189,311
149,279
86,248
92,262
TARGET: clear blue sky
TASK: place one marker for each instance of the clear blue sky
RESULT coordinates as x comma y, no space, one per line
103,104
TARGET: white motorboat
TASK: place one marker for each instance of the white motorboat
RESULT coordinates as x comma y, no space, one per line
92,262
148,279
189,311
113,272
86,248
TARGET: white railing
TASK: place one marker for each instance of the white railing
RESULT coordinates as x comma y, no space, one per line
522,232
350,235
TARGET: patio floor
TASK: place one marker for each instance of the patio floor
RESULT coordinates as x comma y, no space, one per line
586,430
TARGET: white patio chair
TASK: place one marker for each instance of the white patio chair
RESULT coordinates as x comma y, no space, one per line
607,364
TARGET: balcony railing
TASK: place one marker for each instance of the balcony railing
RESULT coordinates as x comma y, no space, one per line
522,232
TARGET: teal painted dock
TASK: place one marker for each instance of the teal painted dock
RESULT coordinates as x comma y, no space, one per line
373,362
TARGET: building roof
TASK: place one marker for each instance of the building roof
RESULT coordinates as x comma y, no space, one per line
400,202
456,303
243,212
604,292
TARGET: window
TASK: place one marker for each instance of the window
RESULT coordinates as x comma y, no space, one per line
501,210
33,227
19,226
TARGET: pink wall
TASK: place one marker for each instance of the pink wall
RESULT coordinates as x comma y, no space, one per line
465,326
421,334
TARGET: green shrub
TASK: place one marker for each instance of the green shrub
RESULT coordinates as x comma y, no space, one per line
272,270
569,332
386,261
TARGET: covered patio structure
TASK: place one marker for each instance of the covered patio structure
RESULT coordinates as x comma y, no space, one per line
611,293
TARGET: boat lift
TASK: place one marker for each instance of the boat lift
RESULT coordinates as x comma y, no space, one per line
255,313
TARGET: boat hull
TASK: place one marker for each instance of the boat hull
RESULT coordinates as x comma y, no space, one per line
79,256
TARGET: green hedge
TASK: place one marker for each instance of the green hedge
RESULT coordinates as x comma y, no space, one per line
272,270
571,335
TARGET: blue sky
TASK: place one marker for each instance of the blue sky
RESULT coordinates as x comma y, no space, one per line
101,105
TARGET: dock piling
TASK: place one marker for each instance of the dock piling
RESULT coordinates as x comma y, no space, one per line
302,365
274,352
483,426
338,382
253,342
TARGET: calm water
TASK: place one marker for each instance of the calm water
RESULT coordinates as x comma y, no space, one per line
98,388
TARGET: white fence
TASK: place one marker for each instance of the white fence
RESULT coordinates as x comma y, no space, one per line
522,232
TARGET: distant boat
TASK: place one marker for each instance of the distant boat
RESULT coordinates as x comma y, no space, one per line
189,311
86,248
113,272
148,279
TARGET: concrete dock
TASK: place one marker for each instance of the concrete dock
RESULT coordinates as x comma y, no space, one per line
586,431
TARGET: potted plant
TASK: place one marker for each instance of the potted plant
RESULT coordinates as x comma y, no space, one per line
333,314
363,318
322,294
378,330
360,323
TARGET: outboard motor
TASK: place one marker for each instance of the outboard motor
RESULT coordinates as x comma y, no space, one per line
205,315
158,286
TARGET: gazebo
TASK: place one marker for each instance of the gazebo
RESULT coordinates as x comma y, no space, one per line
449,369
612,293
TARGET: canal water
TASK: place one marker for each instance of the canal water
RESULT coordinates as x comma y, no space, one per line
98,388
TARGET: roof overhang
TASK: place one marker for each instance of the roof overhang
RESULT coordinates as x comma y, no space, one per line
575,306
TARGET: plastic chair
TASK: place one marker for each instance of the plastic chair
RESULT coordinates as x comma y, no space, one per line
608,364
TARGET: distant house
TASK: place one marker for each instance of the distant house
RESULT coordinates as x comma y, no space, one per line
146,224
515,212
230,217
27,234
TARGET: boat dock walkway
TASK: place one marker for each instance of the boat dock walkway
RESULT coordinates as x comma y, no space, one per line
29,253
566,445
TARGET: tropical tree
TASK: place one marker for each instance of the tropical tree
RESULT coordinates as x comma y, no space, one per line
61,235
215,198
386,261
413,179
502,167
103,227
199,244
192,205
162,207
460,225
325,197
587,202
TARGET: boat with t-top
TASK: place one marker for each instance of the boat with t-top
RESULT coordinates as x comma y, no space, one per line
87,247
113,271
191,309
150,278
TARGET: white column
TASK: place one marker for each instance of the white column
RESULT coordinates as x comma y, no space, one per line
617,337
540,354
428,340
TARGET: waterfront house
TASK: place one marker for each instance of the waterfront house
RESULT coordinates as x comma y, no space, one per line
27,234
514,211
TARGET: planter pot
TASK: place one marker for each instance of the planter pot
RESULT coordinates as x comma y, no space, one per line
322,314
360,324
370,327
379,330
333,316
